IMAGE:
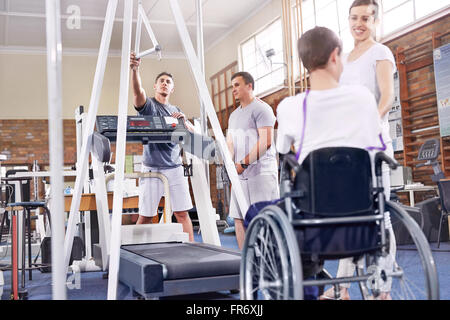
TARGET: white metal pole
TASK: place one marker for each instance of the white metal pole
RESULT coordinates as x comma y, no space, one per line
209,107
201,58
137,41
80,118
90,123
54,53
142,18
120,152
141,12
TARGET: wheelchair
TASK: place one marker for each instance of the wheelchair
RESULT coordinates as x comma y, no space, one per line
329,210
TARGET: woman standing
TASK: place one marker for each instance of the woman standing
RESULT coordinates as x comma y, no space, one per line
372,65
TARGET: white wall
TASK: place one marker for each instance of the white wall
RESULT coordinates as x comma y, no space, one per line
23,85
226,51
23,79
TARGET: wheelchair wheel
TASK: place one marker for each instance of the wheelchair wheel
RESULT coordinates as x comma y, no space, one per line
271,265
413,275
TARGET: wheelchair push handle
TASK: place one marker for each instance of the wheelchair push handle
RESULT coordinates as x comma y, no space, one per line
381,157
290,162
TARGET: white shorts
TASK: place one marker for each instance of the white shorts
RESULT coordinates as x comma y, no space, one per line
262,187
152,189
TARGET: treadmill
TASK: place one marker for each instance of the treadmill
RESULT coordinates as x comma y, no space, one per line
153,270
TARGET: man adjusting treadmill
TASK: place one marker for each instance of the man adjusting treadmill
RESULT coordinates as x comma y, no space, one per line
161,157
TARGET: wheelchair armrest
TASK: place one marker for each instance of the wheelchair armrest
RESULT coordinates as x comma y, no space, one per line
381,157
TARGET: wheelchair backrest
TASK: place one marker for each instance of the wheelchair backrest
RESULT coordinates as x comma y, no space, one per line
335,181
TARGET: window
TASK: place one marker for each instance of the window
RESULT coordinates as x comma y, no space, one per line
394,14
268,74
332,14
325,13
399,13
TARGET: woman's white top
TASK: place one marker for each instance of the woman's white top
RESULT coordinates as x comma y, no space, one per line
364,71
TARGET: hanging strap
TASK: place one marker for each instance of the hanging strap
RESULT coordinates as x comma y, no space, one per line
382,148
304,125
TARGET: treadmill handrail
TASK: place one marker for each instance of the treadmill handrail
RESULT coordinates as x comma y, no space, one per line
159,175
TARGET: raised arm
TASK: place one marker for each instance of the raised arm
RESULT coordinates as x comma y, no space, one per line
139,95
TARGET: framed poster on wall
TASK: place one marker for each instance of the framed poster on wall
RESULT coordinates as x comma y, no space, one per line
395,117
441,57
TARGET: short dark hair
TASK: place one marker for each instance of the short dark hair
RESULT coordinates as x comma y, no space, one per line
315,47
163,74
246,76
358,3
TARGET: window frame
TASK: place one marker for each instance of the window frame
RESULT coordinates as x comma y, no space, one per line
275,69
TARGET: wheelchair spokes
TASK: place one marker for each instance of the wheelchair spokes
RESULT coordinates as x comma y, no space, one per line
268,268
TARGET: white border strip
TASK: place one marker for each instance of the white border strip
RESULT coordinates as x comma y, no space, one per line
54,48
116,223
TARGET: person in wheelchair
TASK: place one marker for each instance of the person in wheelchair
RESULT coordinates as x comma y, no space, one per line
330,208
329,114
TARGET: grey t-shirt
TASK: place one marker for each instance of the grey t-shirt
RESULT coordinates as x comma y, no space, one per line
243,126
160,155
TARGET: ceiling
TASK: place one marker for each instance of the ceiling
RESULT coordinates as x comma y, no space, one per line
22,24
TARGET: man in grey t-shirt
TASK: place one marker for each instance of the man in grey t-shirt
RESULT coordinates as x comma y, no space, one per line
249,139
161,157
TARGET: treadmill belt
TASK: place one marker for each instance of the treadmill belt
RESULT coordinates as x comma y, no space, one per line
190,260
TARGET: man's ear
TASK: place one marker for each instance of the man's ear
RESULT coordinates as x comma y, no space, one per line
335,55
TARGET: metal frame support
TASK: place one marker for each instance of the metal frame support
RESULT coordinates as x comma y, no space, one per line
142,17
115,235
201,58
114,256
209,107
55,128
89,129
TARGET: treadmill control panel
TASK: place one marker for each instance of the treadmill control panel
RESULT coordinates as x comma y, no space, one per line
156,129
140,124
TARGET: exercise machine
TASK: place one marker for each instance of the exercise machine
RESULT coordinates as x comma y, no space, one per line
164,268
431,208
54,52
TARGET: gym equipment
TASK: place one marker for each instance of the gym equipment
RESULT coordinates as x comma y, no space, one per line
169,269
46,253
159,129
165,268
444,192
22,233
323,216
433,215
429,152
54,50
147,129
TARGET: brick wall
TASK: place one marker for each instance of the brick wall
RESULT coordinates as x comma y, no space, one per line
24,141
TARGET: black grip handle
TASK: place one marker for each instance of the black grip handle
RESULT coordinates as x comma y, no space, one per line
381,157
290,162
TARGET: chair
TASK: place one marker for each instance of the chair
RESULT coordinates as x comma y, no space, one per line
444,196
330,210
26,207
